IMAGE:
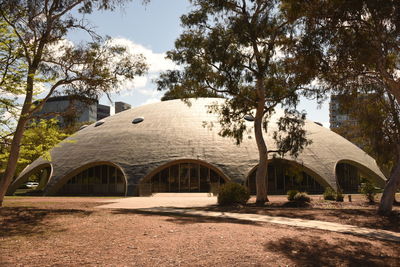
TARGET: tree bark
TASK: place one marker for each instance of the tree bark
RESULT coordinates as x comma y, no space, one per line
388,196
7,178
9,173
261,174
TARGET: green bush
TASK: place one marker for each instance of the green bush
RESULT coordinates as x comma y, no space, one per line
302,197
291,194
329,194
339,196
233,193
368,190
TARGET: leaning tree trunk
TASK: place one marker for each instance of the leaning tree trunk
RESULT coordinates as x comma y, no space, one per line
7,178
388,196
261,174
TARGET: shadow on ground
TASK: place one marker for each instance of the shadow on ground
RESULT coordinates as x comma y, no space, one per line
359,217
180,218
314,251
18,221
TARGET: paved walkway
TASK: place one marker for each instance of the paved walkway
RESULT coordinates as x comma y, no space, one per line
181,205
181,200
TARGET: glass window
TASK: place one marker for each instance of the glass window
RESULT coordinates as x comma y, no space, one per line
104,174
204,179
120,177
97,176
283,177
194,178
97,180
112,175
164,186
184,176
214,177
174,178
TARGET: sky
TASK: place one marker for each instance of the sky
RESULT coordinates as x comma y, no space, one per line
152,30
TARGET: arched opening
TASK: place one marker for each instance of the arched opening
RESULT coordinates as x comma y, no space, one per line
184,176
350,175
32,182
284,176
98,180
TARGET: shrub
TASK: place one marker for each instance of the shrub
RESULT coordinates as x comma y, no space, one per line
329,194
368,190
233,193
291,194
302,197
339,196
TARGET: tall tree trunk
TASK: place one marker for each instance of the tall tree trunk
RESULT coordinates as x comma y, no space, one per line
388,196
261,174
7,178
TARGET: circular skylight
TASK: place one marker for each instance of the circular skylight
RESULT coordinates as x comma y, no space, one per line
137,120
98,123
248,117
83,127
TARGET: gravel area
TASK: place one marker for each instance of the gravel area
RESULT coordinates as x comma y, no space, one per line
73,232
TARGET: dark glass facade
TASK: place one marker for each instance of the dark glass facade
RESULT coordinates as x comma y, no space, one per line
183,177
283,177
100,180
348,177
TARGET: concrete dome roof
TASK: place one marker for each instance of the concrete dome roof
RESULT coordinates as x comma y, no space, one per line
171,131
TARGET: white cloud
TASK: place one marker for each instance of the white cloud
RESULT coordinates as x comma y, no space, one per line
149,92
156,61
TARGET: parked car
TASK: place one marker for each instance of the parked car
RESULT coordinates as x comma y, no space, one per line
31,184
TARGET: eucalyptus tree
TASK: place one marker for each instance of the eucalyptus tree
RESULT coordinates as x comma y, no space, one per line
37,140
239,50
49,63
356,47
374,124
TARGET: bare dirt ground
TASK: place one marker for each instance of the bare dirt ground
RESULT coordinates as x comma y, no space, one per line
73,232
358,212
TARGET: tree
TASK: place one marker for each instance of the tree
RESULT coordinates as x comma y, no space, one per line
239,50
355,46
51,62
38,139
374,129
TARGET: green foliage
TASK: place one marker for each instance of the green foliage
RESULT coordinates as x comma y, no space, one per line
232,193
291,194
329,194
339,196
299,197
354,47
368,190
12,72
228,49
38,139
302,197
33,35
376,115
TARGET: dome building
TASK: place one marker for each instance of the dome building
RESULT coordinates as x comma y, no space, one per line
165,147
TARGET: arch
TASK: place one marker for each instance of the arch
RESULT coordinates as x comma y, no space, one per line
25,174
167,178
351,187
314,182
55,189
